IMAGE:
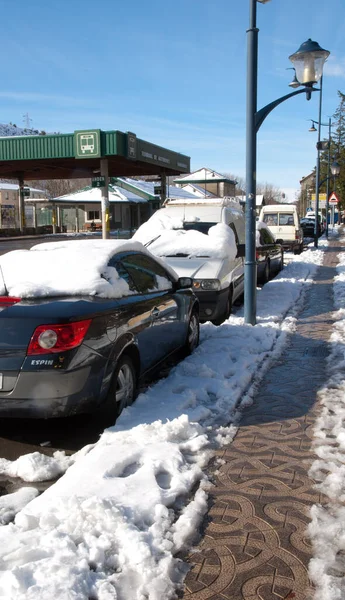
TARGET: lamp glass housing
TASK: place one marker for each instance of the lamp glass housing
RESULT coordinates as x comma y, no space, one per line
335,168
308,62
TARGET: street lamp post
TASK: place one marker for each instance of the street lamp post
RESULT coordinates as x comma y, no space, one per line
317,182
332,169
308,62
317,188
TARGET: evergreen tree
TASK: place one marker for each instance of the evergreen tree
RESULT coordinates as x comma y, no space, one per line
338,150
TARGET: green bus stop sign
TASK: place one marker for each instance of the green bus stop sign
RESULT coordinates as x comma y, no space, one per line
87,143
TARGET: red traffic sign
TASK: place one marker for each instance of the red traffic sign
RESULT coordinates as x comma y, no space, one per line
333,199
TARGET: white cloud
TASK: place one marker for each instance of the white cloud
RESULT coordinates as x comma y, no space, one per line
335,67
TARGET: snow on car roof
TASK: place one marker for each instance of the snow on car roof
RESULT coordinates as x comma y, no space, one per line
68,268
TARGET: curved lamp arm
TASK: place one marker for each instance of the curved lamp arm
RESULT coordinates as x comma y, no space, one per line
324,181
261,114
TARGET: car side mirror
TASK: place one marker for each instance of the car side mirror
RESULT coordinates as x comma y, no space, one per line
184,282
241,251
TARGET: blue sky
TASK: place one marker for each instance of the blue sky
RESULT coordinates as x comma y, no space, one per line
172,72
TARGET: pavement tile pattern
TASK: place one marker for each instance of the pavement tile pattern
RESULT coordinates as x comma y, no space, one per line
253,541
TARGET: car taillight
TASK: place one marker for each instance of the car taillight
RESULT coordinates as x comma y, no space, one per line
8,300
57,338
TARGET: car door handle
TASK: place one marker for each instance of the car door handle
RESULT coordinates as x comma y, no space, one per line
155,313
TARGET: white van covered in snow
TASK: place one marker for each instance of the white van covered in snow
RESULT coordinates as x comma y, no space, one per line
202,239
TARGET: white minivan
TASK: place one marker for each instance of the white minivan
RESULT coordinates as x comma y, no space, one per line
283,221
203,239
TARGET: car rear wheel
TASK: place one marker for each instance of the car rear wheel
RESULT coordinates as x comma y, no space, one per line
193,334
123,386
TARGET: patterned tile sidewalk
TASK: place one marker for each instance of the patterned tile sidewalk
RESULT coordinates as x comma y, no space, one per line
254,544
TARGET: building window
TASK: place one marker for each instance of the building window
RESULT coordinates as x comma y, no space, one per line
92,215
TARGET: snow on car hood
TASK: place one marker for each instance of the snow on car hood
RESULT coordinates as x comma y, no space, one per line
218,243
71,268
197,268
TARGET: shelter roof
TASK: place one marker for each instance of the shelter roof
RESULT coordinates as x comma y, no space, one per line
78,154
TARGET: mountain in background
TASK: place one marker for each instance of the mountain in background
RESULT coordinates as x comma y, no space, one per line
7,130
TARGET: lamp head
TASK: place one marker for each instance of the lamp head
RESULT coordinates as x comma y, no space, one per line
313,128
308,61
335,168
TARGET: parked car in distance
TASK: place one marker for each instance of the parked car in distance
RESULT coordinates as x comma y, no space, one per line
82,321
202,239
308,227
283,221
269,253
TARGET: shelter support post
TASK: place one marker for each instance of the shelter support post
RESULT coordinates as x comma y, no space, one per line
54,218
105,199
21,205
76,219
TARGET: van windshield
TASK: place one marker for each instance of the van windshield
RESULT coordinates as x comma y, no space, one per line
286,219
271,219
278,219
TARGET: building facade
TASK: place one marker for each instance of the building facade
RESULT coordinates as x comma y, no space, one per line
9,205
209,181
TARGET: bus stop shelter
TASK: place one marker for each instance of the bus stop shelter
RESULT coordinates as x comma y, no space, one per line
86,153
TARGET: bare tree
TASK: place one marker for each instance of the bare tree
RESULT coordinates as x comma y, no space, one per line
272,193
60,187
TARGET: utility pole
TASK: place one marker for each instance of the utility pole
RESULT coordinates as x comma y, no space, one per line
27,121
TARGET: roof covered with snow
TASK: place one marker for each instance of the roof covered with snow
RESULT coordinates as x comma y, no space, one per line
204,175
15,187
147,187
259,199
90,194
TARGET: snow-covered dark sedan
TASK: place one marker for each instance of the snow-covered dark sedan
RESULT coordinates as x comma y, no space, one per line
82,321
269,253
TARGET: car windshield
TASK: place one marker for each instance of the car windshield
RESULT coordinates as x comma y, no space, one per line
201,226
